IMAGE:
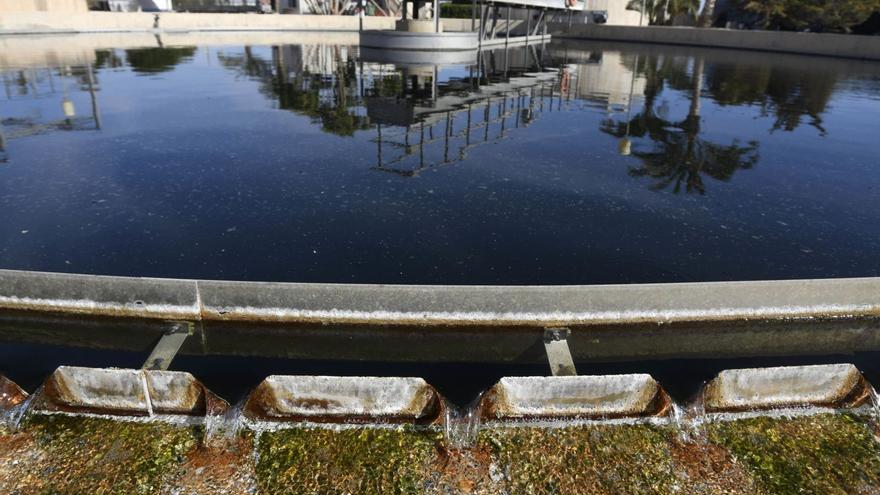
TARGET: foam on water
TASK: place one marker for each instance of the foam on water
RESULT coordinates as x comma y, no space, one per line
875,401
662,315
89,305
16,415
461,425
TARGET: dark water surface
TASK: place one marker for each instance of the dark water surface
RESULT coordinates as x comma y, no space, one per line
303,163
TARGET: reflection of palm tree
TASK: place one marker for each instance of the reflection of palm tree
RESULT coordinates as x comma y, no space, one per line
304,92
156,60
789,94
793,95
679,156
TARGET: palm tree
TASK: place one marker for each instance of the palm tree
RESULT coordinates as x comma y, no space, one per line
661,12
646,7
708,15
328,7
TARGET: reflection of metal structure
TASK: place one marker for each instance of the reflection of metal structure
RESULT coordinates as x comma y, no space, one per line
29,83
3,157
415,57
460,114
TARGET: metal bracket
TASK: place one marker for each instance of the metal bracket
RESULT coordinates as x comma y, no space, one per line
168,345
558,354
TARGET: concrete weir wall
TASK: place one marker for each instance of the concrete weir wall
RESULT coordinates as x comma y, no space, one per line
97,22
834,45
444,323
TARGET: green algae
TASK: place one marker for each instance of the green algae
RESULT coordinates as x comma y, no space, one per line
818,454
103,456
355,460
633,459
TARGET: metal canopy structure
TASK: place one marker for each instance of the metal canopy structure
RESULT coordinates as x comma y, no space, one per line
544,4
535,24
490,14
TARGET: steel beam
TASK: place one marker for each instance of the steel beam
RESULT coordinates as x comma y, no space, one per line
507,28
168,346
542,4
538,23
558,353
473,14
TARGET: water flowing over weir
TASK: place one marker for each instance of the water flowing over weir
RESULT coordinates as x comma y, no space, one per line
875,402
461,424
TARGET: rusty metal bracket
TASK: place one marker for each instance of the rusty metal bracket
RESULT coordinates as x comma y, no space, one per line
558,353
168,345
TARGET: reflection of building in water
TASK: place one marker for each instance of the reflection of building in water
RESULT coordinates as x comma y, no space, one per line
429,124
421,119
322,83
47,84
605,78
314,59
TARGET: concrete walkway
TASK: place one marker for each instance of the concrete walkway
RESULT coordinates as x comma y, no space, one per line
834,45
104,22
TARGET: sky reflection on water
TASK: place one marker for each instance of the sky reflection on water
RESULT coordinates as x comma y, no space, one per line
567,164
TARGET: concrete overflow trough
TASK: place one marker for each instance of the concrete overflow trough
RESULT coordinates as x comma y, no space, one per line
313,400
392,434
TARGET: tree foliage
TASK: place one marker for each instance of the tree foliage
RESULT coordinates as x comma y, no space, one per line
662,12
813,15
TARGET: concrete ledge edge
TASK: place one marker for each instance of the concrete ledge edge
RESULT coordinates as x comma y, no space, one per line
856,47
423,305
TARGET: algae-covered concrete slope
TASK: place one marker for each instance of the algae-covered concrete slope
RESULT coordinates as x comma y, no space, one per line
791,447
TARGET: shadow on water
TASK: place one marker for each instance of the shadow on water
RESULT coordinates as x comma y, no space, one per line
461,383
